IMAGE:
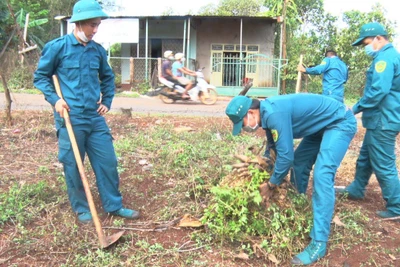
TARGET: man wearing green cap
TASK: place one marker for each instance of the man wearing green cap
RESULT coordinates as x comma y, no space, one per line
87,84
327,127
380,107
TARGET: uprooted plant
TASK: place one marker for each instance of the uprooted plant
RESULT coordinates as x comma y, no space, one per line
235,211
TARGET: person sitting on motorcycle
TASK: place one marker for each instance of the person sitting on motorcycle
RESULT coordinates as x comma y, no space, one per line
178,70
166,69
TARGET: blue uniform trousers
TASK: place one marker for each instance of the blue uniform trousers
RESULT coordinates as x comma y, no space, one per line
326,149
377,155
93,137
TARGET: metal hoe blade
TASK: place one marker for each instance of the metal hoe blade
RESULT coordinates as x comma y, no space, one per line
109,240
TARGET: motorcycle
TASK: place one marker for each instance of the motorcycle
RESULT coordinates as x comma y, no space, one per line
202,91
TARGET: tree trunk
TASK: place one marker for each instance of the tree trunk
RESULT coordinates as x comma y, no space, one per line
8,100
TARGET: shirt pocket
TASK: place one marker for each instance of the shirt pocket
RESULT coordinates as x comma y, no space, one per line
72,71
94,71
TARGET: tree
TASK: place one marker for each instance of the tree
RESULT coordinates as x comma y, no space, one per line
208,10
355,57
3,22
233,8
21,19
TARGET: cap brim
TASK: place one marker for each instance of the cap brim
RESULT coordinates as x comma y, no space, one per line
358,41
88,15
237,127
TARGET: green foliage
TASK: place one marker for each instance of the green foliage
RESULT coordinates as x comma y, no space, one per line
21,78
141,88
235,213
21,203
115,50
117,80
32,25
3,20
98,257
311,31
355,57
232,8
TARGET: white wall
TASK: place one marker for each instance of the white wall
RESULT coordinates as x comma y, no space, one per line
210,31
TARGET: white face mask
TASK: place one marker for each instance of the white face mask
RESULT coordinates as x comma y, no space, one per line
369,49
82,35
250,129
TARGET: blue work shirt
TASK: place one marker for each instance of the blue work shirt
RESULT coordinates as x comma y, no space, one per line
175,68
83,72
335,75
380,103
295,116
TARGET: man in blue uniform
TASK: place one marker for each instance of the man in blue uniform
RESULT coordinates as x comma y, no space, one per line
87,84
334,72
327,128
380,107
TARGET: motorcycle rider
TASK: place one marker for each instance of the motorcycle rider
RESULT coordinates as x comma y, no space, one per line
166,70
178,70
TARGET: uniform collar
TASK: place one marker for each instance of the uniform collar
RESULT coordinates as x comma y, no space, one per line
76,42
386,46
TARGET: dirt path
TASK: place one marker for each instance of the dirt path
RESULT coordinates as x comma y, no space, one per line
141,105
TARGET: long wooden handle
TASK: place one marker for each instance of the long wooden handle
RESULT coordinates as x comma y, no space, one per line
298,83
78,159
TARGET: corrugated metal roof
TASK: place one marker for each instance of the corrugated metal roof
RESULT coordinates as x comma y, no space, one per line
181,17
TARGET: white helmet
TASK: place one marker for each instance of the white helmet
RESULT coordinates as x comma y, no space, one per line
179,56
168,53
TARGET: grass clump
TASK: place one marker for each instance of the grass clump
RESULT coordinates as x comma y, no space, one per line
21,203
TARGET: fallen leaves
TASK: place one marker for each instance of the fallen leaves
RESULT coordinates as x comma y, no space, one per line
337,221
189,220
241,256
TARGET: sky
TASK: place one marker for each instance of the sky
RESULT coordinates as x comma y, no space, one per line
335,7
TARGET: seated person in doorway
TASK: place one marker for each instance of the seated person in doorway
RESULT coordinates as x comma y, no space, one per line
166,69
178,70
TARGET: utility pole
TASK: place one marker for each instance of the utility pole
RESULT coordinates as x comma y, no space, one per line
284,52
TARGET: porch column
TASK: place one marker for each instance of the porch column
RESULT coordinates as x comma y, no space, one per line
188,44
184,40
280,59
241,39
240,51
146,49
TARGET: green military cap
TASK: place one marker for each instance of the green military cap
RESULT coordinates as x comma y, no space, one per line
371,29
87,9
236,110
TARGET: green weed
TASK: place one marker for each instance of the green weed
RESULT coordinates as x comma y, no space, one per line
21,203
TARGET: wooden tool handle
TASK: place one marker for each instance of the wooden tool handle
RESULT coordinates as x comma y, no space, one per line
298,83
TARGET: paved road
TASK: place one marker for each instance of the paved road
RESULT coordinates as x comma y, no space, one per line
141,105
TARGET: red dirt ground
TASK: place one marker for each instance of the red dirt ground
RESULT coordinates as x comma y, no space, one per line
23,167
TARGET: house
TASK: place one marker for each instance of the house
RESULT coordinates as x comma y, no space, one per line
232,50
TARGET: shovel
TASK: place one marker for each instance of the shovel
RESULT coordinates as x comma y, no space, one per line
105,241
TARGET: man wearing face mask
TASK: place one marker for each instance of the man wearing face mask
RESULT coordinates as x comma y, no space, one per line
87,84
327,127
380,107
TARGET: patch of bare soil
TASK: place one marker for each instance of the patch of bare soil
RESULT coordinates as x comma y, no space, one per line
28,154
